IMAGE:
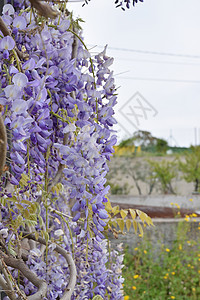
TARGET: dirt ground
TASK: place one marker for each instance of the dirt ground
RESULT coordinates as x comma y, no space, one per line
120,169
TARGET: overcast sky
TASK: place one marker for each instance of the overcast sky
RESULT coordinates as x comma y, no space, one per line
166,85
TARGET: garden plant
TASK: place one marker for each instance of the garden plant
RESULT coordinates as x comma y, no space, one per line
157,271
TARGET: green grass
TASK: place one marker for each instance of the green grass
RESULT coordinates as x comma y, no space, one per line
157,272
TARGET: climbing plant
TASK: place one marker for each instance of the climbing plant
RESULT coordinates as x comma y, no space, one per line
56,136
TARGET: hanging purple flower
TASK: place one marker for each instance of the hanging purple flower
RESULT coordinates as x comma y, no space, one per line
19,23
7,43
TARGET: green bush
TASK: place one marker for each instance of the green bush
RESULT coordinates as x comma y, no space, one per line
157,272
190,168
163,172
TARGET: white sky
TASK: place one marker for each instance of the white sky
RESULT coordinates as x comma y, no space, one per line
164,26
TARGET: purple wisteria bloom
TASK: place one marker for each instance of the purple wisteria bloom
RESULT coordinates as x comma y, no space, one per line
19,23
60,116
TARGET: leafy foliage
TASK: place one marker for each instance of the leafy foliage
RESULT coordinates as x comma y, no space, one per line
119,218
164,171
191,167
157,271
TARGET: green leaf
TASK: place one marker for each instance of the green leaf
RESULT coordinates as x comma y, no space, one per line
26,214
108,205
19,206
97,297
135,225
133,213
13,199
33,208
24,180
46,236
26,202
128,224
115,210
140,229
123,213
120,223
20,219
36,235
40,221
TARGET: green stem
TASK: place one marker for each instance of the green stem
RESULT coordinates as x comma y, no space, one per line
59,117
17,60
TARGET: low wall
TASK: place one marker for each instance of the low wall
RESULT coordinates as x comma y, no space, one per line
188,201
164,232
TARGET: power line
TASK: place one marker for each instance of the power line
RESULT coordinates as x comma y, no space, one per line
149,52
159,79
156,61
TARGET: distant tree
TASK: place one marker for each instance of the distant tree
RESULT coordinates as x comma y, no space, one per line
139,172
191,167
144,138
161,145
163,171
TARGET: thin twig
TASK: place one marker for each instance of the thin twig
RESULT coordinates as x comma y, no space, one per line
19,264
6,284
18,291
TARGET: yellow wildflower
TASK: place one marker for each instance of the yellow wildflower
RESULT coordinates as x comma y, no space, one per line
173,273
145,252
126,297
167,250
134,287
172,297
136,276
135,249
180,247
191,200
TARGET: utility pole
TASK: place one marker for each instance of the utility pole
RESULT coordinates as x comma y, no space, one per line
195,136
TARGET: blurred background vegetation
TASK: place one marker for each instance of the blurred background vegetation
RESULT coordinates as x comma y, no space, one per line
144,165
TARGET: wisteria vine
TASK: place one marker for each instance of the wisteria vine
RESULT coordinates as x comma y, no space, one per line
58,105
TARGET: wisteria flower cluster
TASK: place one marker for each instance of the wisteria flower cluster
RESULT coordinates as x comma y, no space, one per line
58,109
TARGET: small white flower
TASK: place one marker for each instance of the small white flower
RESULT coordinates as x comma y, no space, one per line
59,232
4,232
69,128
